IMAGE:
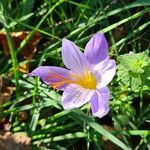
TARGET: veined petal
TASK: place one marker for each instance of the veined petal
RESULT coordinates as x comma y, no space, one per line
96,49
54,76
99,102
74,96
107,70
72,57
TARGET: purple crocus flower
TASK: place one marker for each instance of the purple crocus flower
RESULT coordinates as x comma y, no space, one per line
86,78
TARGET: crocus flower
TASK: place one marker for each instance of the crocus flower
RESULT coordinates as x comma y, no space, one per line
86,78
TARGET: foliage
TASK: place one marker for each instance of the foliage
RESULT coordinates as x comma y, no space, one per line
126,26
132,70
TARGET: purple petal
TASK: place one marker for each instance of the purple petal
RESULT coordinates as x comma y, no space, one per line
72,57
96,49
100,103
53,76
107,70
75,96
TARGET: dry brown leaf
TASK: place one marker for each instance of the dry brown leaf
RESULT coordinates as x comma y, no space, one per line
23,116
27,52
4,124
16,141
119,32
5,91
5,95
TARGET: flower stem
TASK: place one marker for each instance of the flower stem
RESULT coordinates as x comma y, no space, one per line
87,129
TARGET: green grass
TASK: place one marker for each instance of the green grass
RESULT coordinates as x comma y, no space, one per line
127,28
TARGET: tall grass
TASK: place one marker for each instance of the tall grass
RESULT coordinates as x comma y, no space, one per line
126,26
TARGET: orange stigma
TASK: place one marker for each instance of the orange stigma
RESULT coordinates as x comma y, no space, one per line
86,80
61,80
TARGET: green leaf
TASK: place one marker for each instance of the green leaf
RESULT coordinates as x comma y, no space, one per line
121,121
143,2
34,121
134,62
133,69
78,114
62,137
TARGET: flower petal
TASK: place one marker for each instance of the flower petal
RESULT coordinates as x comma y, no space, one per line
52,75
107,70
72,57
96,49
99,102
74,96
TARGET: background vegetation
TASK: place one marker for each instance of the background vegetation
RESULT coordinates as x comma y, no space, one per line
31,35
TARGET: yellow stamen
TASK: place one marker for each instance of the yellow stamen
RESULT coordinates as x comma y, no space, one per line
87,80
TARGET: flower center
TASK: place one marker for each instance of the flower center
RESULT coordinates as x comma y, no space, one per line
87,80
